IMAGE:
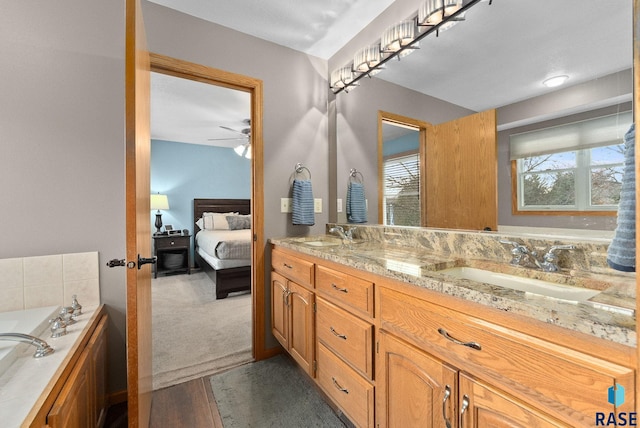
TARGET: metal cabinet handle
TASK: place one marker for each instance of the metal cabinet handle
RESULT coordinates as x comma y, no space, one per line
338,387
447,394
344,290
335,333
473,345
287,266
285,295
463,409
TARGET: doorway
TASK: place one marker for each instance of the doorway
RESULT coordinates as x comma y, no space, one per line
199,134
252,87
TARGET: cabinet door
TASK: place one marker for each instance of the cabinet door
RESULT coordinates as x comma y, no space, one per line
71,408
414,389
484,407
301,327
279,309
98,353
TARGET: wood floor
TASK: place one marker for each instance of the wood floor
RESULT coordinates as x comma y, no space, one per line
190,404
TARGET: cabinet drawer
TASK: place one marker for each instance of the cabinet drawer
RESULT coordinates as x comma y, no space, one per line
345,290
175,242
292,267
348,390
346,335
561,378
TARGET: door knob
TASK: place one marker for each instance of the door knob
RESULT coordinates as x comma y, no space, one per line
144,261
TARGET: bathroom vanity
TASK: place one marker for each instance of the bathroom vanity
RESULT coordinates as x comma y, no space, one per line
394,340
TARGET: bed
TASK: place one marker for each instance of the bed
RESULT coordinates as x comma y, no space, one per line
225,255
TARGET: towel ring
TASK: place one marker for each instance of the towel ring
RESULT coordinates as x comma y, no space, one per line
299,168
355,175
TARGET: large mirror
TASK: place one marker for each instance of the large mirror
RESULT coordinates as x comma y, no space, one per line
496,58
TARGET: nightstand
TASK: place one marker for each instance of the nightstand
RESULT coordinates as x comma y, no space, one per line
173,254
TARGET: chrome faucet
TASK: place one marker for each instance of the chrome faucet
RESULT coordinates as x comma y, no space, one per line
550,259
42,348
522,256
58,327
344,234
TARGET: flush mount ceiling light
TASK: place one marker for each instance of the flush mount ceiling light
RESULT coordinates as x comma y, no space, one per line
433,12
367,59
554,81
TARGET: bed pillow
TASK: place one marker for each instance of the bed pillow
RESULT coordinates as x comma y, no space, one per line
215,221
238,222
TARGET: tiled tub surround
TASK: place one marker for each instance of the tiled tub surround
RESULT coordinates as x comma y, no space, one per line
415,256
33,282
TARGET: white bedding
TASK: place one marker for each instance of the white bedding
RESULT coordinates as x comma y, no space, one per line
225,244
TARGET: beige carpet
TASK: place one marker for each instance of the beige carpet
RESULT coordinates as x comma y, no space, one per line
195,335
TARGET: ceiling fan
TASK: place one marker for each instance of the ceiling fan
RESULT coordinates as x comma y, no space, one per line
243,149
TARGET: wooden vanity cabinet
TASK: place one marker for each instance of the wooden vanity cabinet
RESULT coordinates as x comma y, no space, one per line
509,378
415,389
82,401
345,337
292,308
391,354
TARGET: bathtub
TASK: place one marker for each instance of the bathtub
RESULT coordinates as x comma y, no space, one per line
26,381
30,321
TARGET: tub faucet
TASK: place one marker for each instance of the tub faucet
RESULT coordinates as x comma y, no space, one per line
42,348
58,327
344,234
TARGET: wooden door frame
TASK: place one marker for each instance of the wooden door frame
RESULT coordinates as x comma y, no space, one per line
399,120
200,73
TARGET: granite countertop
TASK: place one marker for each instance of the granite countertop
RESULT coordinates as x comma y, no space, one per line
609,315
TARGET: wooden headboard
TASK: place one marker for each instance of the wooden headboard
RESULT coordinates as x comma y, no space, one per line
242,206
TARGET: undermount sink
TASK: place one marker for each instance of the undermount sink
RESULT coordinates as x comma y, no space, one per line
528,285
322,243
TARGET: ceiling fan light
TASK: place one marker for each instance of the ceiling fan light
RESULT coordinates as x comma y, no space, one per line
240,150
433,12
247,154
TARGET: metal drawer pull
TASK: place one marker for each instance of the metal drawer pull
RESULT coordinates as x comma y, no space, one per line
338,387
344,290
335,333
287,266
473,345
463,409
447,394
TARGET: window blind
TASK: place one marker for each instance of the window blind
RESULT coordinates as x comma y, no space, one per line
586,134
402,190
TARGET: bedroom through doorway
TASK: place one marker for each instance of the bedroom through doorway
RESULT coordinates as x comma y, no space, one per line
201,142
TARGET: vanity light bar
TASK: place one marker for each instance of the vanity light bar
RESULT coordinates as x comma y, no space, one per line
402,49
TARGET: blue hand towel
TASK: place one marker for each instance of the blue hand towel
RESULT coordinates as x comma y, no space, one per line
356,203
302,203
621,254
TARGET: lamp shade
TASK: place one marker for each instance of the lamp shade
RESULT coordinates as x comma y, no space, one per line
159,202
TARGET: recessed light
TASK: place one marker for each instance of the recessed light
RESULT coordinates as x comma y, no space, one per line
554,81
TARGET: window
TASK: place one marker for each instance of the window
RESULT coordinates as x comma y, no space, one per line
402,190
572,167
